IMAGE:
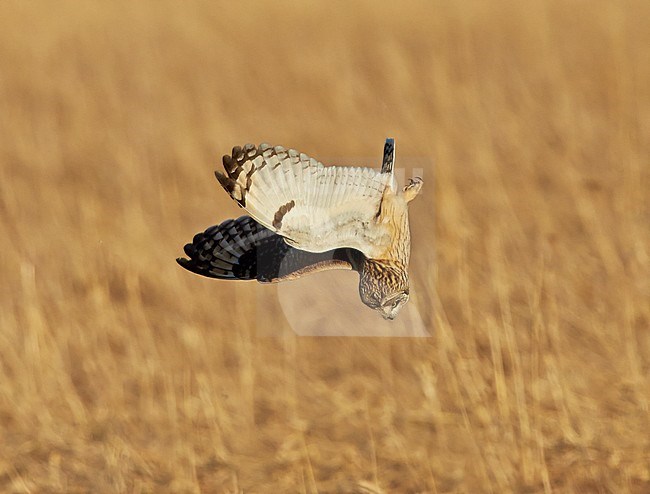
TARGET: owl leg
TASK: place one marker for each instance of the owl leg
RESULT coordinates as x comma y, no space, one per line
412,189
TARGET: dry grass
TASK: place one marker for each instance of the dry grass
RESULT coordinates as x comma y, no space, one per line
121,372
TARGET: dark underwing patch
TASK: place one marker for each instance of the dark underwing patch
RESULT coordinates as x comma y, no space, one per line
381,202
280,213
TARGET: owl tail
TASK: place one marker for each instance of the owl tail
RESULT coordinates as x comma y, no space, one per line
388,162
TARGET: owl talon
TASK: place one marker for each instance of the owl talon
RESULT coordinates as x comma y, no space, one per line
412,189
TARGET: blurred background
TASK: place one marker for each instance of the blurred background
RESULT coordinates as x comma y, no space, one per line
120,372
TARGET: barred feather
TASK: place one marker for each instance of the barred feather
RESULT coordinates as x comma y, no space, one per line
243,249
315,207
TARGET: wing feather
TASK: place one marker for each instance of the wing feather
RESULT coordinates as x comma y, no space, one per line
244,249
315,207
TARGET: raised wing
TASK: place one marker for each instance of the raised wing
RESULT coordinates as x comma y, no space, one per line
244,249
316,208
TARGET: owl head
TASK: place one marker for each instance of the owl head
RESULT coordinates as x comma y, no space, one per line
384,287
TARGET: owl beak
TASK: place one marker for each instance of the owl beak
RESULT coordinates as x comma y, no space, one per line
388,315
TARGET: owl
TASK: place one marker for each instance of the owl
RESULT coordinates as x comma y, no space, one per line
305,217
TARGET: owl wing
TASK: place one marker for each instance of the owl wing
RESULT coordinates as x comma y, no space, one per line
246,250
314,207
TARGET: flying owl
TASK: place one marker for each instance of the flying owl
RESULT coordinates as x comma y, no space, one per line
305,217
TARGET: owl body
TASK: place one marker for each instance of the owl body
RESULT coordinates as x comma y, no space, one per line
307,217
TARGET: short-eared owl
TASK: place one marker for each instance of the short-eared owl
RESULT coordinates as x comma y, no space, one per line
306,217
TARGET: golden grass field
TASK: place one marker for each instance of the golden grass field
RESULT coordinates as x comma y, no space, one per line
120,372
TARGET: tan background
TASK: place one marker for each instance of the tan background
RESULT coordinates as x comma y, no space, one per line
121,372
